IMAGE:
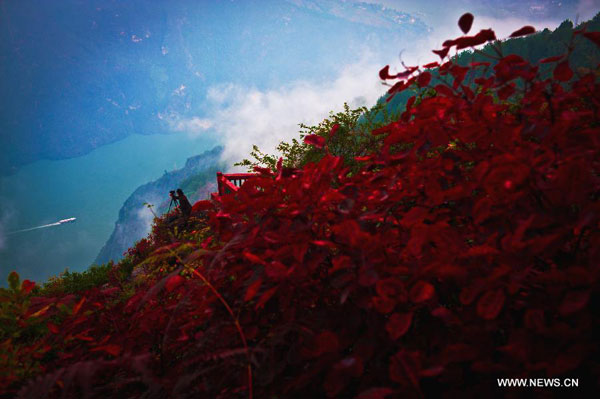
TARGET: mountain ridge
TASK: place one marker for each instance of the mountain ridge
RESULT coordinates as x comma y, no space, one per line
196,178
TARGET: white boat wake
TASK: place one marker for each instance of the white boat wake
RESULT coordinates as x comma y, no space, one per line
63,221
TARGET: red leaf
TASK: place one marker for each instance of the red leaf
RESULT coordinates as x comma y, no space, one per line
412,100
568,359
526,30
405,367
481,250
465,22
573,302
375,393
414,216
423,79
351,365
335,381
27,286
432,371
334,130
253,258
276,270
202,206
552,59
111,349
399,87
482,210
422,291
78,306
84,337
340,262
406,73
593,36
443,90
534,319
431,65
484,35
327,341
490,304
391,287
253,289
324,342
563,71
384,73
506,91
383,304
398,324
442,53
315,140
469,293
449,43
52,327
323,243
459,74
265,297
446,315
173,282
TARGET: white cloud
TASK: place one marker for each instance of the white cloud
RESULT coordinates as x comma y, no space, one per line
587,9
193,125
244,116
145,215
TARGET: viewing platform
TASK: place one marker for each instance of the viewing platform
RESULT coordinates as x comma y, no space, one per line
230,182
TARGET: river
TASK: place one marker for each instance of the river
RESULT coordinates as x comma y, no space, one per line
91,188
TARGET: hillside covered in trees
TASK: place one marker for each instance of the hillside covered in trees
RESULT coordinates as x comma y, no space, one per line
448,246
540,45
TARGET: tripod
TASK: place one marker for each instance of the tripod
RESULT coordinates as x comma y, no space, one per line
173,201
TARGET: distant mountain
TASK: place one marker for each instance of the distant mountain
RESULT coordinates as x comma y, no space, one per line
371,14
78,75
197,179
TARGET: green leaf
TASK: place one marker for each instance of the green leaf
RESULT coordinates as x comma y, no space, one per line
14,281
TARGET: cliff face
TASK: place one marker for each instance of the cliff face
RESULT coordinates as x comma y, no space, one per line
196,178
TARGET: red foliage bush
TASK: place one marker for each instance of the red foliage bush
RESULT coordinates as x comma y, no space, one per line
468,256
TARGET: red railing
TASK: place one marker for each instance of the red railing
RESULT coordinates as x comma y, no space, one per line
230,182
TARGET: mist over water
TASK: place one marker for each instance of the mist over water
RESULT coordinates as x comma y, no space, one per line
91,188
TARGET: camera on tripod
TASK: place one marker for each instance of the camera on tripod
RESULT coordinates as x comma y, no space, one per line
174,200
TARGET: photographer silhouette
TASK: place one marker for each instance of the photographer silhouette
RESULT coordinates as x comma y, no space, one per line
184,205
